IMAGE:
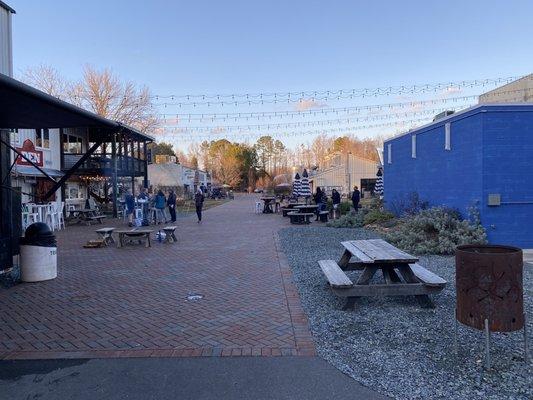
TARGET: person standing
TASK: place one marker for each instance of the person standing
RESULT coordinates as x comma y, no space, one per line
199,203
356,196
336,200
171,203
130,206
319,201
159,204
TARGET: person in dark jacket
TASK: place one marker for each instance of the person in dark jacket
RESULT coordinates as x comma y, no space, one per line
356,196
336,200
320,200
171,203
130,206
159,204
199,203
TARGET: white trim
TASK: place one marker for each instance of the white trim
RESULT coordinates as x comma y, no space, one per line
447,136
389,153
413,146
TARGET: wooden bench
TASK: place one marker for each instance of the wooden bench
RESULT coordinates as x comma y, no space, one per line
286,211
97,218
139,235
170,237
107,235
427,277
300,218
323,215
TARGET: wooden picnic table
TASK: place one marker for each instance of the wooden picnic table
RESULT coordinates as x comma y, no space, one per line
86,215
306,208
267,209
134,234
371,256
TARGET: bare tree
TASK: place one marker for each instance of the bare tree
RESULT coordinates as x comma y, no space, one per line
47,79
99,91
102,92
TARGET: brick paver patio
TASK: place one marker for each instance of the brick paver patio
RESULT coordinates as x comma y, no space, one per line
133,302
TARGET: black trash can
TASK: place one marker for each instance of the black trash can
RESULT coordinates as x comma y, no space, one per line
38,253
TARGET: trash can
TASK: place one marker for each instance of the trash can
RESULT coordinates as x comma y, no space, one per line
38,254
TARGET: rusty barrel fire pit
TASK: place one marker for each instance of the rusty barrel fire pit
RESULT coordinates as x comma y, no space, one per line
490,290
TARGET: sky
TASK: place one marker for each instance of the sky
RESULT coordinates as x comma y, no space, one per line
212,47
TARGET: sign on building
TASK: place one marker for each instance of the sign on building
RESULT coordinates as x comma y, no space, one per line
28,150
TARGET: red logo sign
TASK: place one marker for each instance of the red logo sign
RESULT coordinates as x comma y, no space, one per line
28,149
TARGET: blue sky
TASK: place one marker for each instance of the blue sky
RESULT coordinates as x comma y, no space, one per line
253,46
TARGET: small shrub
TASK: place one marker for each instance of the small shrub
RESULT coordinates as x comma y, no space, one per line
437,230
377,216
411,204
350,220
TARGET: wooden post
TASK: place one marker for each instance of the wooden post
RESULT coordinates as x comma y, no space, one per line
114,174
145,180
6,229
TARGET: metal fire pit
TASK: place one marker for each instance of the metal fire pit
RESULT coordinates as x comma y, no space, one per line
490,290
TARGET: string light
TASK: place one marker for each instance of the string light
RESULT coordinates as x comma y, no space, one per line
339,93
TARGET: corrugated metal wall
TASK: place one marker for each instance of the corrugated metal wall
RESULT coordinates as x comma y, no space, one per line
6,49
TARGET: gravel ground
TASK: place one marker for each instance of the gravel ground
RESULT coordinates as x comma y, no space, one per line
394,346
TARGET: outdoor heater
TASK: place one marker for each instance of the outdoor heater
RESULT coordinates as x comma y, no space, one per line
490,291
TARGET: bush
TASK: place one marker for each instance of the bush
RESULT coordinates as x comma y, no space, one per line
350,220
410,204
344,207
376,216
437,230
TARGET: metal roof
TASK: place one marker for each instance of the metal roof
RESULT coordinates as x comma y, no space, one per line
4,5
468,112
24,107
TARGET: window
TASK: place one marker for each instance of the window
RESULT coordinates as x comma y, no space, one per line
447,136
42,138
73,192
15,137
413,146
72,144
389,153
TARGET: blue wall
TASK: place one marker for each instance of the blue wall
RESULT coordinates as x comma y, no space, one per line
508,170
491,152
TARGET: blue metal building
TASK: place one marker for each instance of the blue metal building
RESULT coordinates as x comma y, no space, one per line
481,156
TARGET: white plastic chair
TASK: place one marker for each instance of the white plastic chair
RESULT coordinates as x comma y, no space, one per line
258,208
61,216
50,217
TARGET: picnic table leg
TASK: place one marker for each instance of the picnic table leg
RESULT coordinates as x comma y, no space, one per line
364,279
148,244
390,276
409,277
345,259
120,240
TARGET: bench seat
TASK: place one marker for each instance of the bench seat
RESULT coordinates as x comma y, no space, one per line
300,218
335,275
427,277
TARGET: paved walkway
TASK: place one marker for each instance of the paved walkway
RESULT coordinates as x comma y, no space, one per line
133,302
199,378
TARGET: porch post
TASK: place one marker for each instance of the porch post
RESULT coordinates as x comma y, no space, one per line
6,228
114,174
145,180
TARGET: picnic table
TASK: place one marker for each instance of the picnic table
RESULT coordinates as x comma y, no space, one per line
86,215
107,235
371,256
134,235
306,208
267,209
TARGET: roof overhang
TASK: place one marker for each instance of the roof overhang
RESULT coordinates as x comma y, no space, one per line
4,5
24,107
